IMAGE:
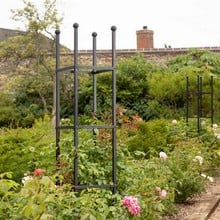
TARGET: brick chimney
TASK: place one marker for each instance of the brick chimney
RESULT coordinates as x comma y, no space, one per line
145,38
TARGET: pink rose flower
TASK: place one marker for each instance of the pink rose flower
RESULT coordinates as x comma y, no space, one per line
129,200
131,203
163,193
134,209
38,172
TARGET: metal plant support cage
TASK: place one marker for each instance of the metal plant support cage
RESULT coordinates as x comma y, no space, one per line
77,69
199,93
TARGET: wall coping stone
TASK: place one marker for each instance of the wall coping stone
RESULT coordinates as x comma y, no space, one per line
149,50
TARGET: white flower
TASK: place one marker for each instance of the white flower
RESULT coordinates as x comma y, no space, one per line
198,159
203,175
214,126
65,121
174,121
163,155
218,136
203,123
32,149
211,179
26,178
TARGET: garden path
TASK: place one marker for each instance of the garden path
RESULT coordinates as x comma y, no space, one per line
203,207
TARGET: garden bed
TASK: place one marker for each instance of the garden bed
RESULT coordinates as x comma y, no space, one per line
203,206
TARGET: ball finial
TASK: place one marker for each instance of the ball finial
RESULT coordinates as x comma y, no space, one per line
94,34
57,31
113,28
75,25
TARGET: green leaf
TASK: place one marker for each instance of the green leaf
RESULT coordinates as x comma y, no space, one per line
85,216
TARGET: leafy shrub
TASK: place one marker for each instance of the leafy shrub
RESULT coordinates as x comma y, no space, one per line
8,112
39,198
185,179
147,179
22,150
151,138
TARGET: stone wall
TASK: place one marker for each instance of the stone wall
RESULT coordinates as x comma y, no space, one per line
159,55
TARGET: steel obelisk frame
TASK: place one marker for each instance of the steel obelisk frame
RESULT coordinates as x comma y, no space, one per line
94,69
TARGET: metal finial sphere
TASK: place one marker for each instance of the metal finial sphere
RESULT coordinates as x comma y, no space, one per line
57,31
113,28
94,34
75,25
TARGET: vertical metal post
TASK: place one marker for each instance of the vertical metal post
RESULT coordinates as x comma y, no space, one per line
57,81
212,95
75,25
94,34
187,100
198,102
201,97
113,28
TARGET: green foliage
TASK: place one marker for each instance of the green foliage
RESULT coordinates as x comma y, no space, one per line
104,94
132,84
205,61
182,172
7,186
168,89
94,161
186,178
40,198
158,183
131,79
144,178
8,112
146,90
27,148
156,91
132,89
151,137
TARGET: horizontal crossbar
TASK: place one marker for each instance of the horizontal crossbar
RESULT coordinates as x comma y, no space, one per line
200,93
85,69
93,186
87,126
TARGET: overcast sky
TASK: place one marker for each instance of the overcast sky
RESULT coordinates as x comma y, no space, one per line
179,23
